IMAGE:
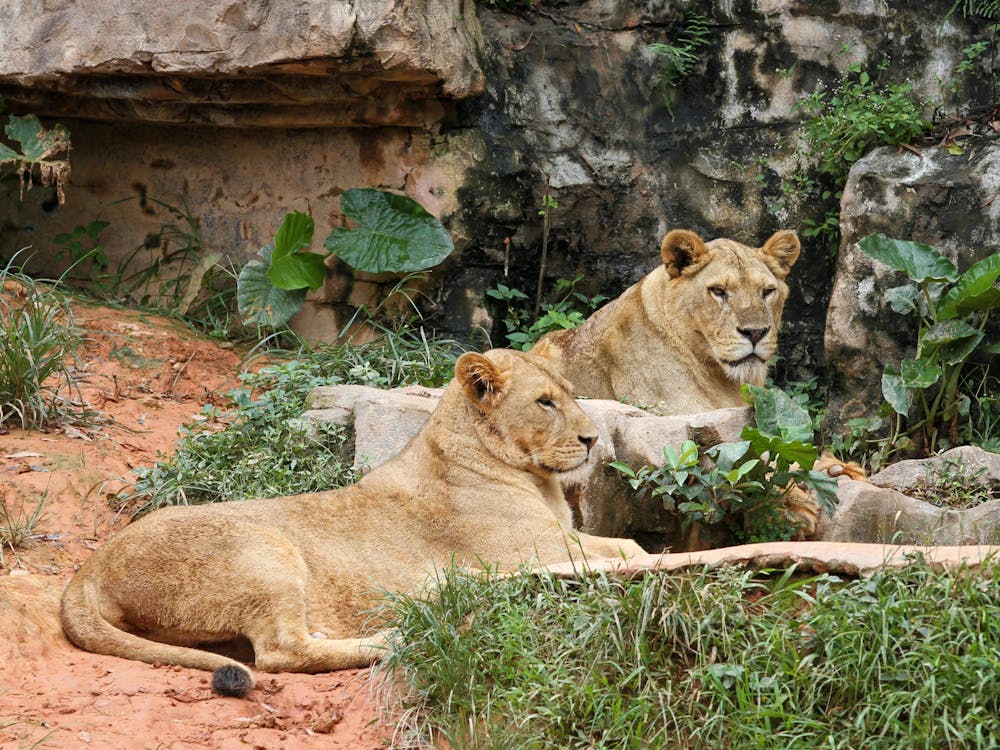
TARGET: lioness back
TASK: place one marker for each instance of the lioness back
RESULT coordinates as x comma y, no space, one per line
687,335
295,576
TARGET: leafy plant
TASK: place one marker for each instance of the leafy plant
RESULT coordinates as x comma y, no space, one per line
953,485
679,58
569,311
17,526
84,248
37,335
952,310
37,149
698,659
855,116
394,234
744,484
261,447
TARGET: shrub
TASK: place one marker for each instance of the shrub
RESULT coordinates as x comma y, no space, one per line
36,337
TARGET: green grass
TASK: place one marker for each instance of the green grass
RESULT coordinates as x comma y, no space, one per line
37,336
727,659
17,523
264,449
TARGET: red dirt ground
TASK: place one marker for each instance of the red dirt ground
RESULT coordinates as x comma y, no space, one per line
146,375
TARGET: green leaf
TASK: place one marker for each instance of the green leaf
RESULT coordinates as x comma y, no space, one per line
919,373
975,290
903,299
894,392
951,342
789,451
291,269
779,416
259,301
37,144
395,234
8,154
920,262
726,455
825,488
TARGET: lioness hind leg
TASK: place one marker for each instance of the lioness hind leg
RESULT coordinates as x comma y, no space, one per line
302,652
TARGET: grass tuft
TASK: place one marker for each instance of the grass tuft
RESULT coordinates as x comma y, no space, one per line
37,335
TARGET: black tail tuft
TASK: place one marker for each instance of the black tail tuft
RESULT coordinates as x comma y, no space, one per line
232,681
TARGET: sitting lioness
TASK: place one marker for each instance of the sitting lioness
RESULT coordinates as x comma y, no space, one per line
687,335
478,485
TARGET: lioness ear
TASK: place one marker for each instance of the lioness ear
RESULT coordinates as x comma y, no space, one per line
545,349
680,249
483,381
784,248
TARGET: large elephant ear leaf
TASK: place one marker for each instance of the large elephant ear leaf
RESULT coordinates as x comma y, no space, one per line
259,301
394,234
975,290
918,261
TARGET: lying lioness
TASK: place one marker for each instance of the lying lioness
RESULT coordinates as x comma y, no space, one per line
687,335
294,575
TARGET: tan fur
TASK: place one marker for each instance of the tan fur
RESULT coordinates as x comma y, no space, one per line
682,337
478,486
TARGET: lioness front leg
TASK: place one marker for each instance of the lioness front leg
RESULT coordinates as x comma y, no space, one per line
596,547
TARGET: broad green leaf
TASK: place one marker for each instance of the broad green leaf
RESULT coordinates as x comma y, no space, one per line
778,415
918,261
952,341
789,451
295,233
297,271
291,269
894,392
37,143
8,154
825,488
975,290
259,301
903,299
395,234
726,455
919,373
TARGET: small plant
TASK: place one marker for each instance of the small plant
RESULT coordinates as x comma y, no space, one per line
745,483
17,527
36,337
952,310
855,116
952,485
38,149
569,311
680,57
395,234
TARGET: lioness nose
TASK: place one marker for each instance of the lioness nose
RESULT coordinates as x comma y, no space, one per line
588,440
754,334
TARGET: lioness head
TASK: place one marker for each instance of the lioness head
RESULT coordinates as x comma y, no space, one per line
733,296
524,412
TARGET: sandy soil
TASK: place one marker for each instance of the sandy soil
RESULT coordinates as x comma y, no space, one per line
146,376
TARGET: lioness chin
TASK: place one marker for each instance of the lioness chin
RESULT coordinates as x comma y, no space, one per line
294,576
687,335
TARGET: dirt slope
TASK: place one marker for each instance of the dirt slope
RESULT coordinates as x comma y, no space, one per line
147,376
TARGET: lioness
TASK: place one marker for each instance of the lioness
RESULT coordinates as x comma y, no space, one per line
689,333
294,575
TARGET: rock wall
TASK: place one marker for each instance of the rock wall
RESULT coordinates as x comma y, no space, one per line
241,112
948,200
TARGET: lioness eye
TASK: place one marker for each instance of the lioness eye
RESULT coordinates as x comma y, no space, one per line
718,292
768,292
546,403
